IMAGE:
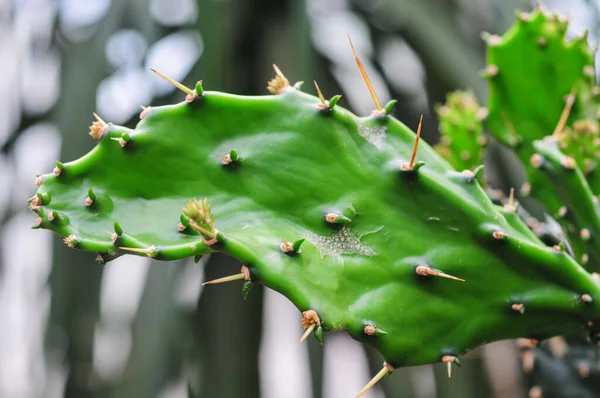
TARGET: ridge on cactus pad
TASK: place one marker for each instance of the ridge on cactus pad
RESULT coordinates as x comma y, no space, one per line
328,209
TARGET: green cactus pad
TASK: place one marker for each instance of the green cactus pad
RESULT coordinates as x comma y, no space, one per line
540,85
368,240
531,69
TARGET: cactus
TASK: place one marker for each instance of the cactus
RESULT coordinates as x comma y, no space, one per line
554,132
339,213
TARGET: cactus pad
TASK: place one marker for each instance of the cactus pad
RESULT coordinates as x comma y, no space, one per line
366,235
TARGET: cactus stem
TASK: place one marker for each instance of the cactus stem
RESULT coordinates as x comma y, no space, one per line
144,111
411,164
562,121
519,307
191,94
449,360
279,83
365,77
427,271
244,274
382,373
151,251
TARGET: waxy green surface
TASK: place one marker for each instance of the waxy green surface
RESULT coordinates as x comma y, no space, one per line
297,164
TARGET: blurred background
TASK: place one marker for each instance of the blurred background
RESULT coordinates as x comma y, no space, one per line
70,327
